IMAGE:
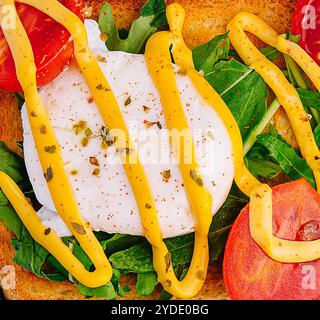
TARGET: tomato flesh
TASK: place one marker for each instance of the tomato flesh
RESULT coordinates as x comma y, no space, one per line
50,41
249,274
306,23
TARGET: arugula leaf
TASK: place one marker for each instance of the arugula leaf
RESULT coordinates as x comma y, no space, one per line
146,283
309,98
105,292
20,100
119,242
316,134
271,53
290,162
152,18
29,254
263,168
242,89
205,56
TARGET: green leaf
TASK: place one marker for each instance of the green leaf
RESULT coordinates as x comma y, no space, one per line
20,100
316,134
207,55
290,162
309,98
271,53
146,283
263,168
105,292
119,242
29,254
242,89
152,17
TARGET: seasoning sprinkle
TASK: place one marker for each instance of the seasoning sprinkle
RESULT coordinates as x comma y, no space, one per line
33,114
168,261
149,124
166,174
101,58
146,109
78,228
167,284
201,275
128,101
74,172
50,149
88,133
43,129
84,141
94,161
104,36
47,231
195,176
96,172
148,206
101,87
48,174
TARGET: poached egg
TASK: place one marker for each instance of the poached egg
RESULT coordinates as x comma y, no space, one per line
97,177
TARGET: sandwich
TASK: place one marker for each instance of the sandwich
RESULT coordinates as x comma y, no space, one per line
159,150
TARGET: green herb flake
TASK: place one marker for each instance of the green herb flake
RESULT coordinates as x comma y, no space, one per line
101,87
78,228
88,133
85,141
168,261
50,149
195,176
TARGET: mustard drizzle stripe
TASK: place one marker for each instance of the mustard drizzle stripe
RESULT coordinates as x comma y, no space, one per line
261,222
52,165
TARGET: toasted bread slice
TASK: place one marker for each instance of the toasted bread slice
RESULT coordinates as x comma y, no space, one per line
204,19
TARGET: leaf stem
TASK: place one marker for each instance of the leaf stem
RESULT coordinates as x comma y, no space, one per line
258,129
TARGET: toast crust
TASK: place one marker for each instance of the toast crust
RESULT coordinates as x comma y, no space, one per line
204,19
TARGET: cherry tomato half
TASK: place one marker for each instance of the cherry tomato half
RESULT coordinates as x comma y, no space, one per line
249,274
51,43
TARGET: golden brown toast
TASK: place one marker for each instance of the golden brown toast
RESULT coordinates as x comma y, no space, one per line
204,19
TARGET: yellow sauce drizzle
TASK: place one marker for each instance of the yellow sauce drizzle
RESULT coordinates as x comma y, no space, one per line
261,196
58,182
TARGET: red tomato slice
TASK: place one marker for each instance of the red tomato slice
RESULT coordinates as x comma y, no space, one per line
249,274
306,23
51,43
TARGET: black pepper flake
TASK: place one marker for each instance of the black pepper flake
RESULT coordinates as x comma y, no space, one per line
33,114
168,261
94,161
149,124
50,149
195,176
146,109
78,228
148,206
48,174
47,231
128,101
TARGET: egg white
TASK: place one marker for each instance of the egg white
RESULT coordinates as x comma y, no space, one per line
106,201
